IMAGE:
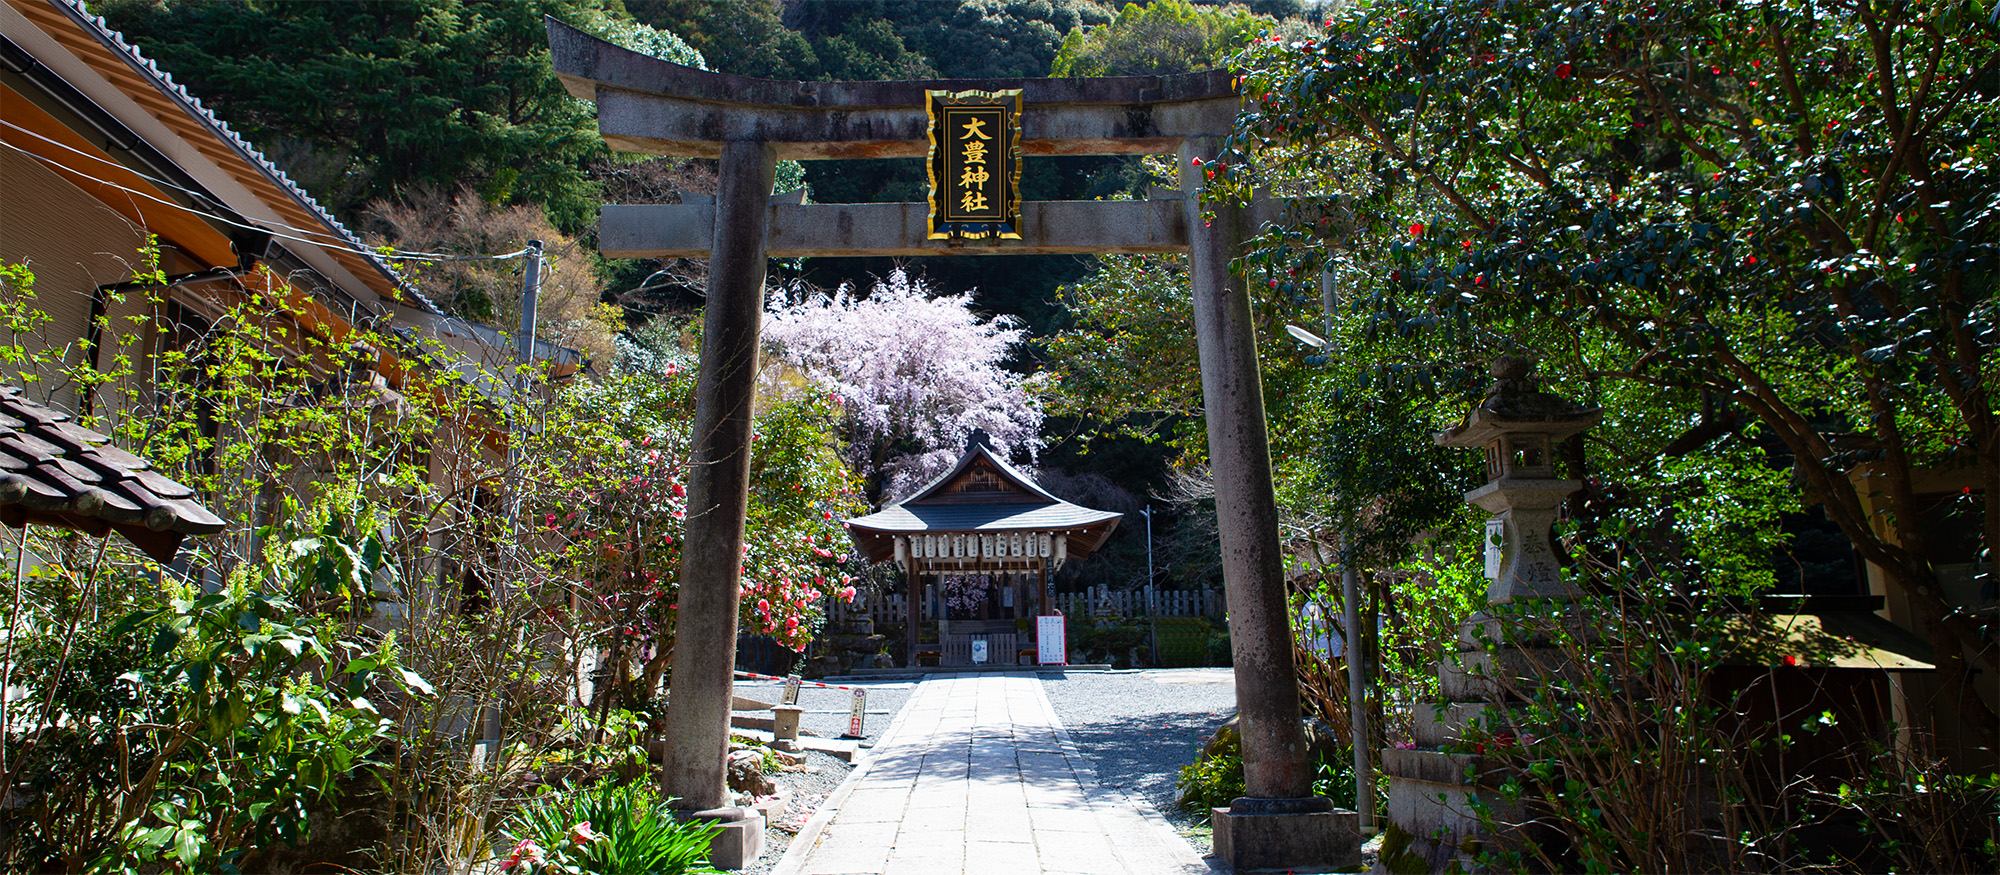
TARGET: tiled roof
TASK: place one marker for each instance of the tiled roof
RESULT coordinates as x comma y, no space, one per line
1026,507
55,472
113,40
970,517
979,447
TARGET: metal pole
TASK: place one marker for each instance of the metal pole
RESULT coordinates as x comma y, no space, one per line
531,287
1149,543
524,363
486,753
1152,614
1360,738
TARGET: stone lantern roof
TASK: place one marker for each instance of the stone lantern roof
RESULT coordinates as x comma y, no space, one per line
1516,404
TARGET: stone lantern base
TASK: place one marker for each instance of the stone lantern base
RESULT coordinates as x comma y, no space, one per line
1437,791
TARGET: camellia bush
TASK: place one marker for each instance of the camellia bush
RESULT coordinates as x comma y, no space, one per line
1761,236
392,585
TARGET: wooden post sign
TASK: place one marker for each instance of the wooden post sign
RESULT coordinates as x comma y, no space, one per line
857,714
975,164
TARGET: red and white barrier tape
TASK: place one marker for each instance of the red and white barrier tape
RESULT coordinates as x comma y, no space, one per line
765,677
855,715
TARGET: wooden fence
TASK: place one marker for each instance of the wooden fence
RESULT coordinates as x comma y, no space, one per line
889,611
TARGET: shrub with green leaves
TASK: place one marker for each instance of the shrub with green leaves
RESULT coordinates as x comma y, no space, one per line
1215,777
611,829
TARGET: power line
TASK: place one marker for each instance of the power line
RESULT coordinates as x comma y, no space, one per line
331,239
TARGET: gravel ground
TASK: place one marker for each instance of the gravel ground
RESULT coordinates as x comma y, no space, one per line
1141,727
827,710
809,788
826,716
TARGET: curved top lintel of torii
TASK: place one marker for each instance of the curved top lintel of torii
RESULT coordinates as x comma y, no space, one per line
646,104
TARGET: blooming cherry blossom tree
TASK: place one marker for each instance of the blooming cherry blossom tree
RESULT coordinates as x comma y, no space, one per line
915,373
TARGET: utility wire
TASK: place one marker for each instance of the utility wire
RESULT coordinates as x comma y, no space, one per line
332,240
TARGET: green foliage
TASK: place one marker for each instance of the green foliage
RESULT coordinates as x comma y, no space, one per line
744,37
607,830
1926,816
218,716
365,100
369,556
1761,236
1215,778
1110,640
1655,727
747,37
1183,641
1130,359
256,740
616,453
1333,776
987,39
1160,38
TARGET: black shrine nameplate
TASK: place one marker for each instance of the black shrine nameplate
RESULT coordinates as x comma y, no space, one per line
975,164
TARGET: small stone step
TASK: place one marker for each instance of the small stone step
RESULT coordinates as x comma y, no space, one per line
752,720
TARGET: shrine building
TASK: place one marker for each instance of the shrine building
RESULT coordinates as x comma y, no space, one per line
988,534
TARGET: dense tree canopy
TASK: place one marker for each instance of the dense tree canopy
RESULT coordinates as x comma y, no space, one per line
1166,36
363,100
1737,226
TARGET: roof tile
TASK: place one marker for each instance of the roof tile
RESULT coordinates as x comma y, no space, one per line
65,474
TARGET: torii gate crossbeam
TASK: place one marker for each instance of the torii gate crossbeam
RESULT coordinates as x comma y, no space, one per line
649,105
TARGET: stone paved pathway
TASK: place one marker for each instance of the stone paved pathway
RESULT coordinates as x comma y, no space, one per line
977,776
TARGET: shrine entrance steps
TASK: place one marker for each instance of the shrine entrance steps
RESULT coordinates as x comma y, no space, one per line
976,775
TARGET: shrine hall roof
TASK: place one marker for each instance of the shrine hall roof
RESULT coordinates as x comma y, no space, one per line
55,472
1009,517
982,493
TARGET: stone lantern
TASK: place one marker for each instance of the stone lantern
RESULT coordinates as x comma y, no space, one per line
1518,426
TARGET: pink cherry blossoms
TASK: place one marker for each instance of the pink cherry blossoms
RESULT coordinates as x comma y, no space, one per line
907,366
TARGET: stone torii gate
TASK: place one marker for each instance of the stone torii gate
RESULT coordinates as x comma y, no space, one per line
652,106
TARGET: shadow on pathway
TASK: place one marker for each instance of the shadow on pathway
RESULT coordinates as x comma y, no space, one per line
977,776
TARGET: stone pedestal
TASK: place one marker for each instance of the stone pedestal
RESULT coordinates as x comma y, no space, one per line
785,727
1290,835
739,842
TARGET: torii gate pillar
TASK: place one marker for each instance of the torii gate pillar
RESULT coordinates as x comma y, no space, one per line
704,660
649,105
1279,823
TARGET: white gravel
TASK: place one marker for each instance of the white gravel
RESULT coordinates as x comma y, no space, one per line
1141,727
809,789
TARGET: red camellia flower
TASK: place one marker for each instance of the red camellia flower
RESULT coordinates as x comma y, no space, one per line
1416,229
1750,260
1563,70
1791,660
